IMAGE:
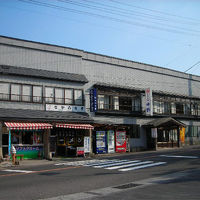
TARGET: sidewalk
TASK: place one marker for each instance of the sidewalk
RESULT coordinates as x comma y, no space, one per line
34,162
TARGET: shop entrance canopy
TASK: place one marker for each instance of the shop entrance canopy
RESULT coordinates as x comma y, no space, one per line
27,126
75,126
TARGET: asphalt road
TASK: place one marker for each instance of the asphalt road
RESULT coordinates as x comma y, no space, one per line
173,174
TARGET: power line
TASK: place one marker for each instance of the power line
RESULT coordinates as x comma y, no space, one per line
119,12
156,11
192,66
172,30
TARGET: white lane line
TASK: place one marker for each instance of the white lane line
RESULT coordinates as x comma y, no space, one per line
143,166
116,164
106,163
19,171
174,156
130,165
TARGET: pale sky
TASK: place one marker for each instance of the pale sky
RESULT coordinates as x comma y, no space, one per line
165,33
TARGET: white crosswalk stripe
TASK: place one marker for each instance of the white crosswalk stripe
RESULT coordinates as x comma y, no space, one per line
114,164
142,166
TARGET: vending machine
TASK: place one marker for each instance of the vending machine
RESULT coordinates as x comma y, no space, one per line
101,141
120,141
111,141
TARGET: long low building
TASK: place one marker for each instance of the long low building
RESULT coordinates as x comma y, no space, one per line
60,101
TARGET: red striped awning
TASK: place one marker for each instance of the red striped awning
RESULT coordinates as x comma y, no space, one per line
75,126
27,126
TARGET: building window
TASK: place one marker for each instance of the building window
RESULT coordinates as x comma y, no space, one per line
179,108
37,94
59,95
136,104
78,97
15,92
4,91
125,103
103,102
26,93
68,96
49,94
115,102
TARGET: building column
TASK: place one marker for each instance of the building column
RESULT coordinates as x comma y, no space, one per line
47,153
91,141
1,134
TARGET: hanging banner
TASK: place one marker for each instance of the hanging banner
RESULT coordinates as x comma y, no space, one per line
182,135
149,102
154,133
101,142
120,141
93,100
111,141
87,145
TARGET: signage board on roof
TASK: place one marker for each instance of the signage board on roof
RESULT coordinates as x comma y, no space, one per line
65,108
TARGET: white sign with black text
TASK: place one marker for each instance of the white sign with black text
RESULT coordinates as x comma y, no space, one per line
65,108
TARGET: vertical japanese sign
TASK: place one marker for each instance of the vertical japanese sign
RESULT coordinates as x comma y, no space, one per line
93,100
111,141
149,102
120,141
182,135
86,144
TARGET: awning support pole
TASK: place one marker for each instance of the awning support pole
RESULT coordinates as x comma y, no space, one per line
9,143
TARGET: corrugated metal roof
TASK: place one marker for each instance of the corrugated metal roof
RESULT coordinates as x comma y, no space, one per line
164,121
39,115
39,73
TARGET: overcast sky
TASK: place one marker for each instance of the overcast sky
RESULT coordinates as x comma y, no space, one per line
165,33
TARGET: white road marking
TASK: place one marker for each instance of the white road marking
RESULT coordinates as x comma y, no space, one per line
114,164
16,170
142,166
174,156
105,163
130,165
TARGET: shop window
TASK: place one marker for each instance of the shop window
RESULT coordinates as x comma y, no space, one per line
68,96
78,97
26,93
31,137
49,94
59,95
15,138
4,91
37,94
15,92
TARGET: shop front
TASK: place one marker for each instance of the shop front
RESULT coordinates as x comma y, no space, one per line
68,140
27,138
111,138
164,133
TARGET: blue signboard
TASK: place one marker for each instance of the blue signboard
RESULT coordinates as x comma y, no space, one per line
101,142
93,100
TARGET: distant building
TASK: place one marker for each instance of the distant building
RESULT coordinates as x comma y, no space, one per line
53,98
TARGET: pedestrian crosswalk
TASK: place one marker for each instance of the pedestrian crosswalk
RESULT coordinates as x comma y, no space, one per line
114,164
